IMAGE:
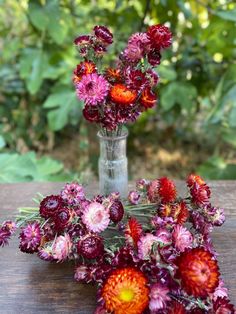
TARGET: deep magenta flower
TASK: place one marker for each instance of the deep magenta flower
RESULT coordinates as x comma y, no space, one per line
103,34
92,89
62,218
116,210
50,205
90,246
82,40
91,113
6,231
73,193
145,246
30,238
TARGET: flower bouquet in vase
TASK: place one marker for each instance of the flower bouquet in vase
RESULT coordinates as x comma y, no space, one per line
114,96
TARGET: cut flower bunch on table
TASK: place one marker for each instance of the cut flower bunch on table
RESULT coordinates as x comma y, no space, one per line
150,253
116,95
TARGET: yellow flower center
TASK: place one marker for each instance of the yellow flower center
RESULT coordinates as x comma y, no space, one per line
126,294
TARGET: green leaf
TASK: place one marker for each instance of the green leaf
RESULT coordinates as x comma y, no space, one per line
182,93
65,102
229,136
37,16
167,72
229,15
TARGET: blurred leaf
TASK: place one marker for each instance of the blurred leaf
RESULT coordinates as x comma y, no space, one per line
227,15
229,136
65,102
2,142
37,15
181,93
166,73
216,168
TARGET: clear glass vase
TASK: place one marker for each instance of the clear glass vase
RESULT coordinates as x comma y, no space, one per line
113,164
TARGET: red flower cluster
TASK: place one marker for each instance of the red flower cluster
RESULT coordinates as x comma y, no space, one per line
162,190
119,95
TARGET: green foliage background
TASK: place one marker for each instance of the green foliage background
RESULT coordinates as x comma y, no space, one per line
38,107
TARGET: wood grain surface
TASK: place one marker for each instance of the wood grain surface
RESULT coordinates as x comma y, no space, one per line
30,285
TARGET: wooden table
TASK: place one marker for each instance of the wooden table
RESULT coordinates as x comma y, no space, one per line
30,285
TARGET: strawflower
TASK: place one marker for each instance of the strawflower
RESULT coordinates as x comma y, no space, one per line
125,291
122,95
158,297
62,247
198,271
30,238
92,89
96,217
133,231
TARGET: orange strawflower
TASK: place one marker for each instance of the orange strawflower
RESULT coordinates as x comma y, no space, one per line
126,292
122,95
198,272
86,67
113,75
133,231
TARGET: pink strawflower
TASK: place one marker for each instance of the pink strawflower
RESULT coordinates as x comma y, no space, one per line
92,89
61,248
30,238
134,197
164,236
73,193
138,46
158,297
182,238
145,246
6,231
141,184
220,292
96,217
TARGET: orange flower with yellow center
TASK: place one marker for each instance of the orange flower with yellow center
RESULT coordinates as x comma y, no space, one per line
198,272
122,95
126,292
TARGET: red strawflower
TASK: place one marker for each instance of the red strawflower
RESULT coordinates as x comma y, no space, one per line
162,189
103,34
83,68
223,306
200,194
126,291
198,272
116,211
62,218
90,246
176,308
133,231
99,50
113,75
154,57
122,95
135,79
82,40
180,212
148,98
193,178
91,113
160,36
30,238
50,205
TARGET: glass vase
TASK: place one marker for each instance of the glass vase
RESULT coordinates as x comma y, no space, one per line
113,164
